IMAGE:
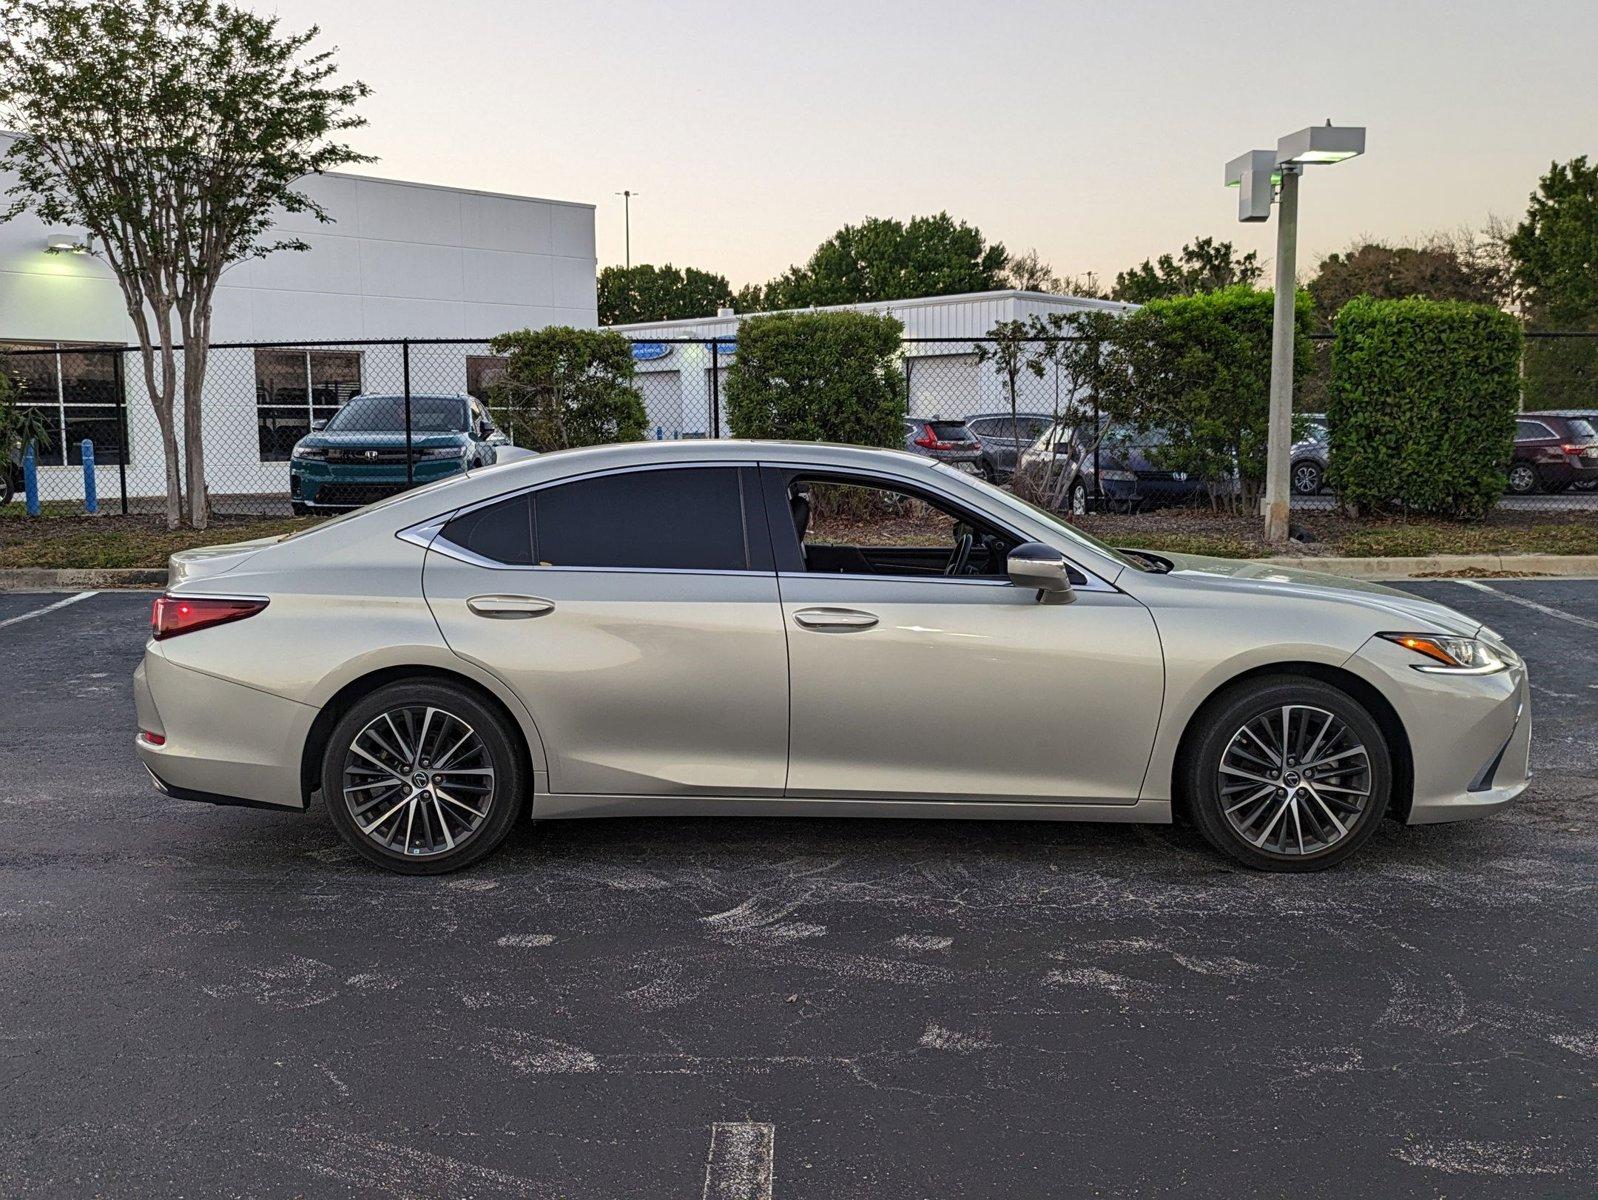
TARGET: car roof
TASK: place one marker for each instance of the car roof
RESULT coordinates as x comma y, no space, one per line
988,416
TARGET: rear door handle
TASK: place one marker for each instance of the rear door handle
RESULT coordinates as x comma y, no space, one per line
835,619
510,608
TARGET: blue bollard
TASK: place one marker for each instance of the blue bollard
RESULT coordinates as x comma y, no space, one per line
91,497
660,434
30,480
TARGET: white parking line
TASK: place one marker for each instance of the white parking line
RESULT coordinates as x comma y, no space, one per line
741,1161
1532,604
39,612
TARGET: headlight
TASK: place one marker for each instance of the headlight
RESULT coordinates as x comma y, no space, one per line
442,452
308,454
1453,655
1119,476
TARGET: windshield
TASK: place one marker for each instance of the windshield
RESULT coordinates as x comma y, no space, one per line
1048,517
386,414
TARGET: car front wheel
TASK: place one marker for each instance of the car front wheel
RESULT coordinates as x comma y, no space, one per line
1287,774
1306,478
422,777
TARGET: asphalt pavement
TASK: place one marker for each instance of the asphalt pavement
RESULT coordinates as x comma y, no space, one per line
214,1002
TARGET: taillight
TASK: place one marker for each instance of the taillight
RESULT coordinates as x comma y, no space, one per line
173,615
930,441
1568,448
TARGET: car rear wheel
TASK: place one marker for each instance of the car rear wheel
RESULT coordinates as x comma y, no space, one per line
1287,774
1306,478
422,777
1522,479
1078,503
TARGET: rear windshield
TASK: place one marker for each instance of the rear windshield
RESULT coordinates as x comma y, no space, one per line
386,414
950,431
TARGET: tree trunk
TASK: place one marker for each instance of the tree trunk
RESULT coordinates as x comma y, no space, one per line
196,349
162,388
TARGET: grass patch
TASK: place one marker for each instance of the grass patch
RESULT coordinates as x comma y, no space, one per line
115,541
1425,540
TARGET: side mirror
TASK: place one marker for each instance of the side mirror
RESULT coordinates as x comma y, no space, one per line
319,424
1034,565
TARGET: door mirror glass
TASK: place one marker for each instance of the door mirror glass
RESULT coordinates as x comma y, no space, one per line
319,424
1034,565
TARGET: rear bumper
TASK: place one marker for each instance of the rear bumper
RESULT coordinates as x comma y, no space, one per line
224,743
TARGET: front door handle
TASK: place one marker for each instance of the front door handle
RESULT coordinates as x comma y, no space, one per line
510,608
837,620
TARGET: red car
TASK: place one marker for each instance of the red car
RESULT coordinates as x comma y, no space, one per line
1552,451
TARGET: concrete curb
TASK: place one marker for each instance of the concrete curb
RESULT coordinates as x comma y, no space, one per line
1443,564
50,579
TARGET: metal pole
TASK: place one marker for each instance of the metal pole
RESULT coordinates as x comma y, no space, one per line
1284,326
119,357
627,225
410,464
907,385
715,389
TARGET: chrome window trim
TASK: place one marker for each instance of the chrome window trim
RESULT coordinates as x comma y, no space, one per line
427,533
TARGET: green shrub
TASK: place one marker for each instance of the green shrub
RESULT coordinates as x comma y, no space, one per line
565,387
818,377
1198,368
1422,405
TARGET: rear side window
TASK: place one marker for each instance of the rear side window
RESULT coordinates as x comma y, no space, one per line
1580,430
681,519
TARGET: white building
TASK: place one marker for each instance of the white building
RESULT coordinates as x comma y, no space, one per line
400,260
945,375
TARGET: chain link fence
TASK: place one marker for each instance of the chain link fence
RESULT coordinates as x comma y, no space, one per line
91,404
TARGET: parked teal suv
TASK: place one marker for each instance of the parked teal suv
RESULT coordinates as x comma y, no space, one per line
359,455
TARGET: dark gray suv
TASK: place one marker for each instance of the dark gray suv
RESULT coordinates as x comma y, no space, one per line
1004,437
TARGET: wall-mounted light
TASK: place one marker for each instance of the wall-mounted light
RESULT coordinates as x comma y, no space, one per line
65,242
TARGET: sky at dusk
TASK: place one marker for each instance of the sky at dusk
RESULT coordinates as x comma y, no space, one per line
1095,132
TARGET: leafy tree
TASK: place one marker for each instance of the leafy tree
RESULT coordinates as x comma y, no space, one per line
563,387
668,293
1441,268
20,423
1403,370
173,131
886,259
751,298
1201,266
1555,256
818,377
1027,272
1189,378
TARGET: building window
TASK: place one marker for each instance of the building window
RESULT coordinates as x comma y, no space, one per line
296,388
74,387
483,371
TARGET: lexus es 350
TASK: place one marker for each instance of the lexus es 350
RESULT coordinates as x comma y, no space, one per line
742,628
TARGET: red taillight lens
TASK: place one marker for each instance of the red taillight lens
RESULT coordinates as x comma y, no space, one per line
155,739
930,441
173,615
1570,449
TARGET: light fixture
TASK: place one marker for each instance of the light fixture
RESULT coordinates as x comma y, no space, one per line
65,242
1326,143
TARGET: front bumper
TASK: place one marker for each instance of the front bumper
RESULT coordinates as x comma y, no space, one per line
224,743
1469,736
318,484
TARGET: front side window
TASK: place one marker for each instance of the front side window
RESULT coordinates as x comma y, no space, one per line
848,528
688,519
296,388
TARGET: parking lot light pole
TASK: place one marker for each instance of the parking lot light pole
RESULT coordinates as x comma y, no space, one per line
1260,176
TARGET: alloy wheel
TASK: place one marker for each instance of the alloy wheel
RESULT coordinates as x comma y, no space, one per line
1294,781
418,781
1522,479
1079,500
1306,479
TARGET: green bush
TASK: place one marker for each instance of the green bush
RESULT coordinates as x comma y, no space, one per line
565,387
1422,405
1198,368
818,377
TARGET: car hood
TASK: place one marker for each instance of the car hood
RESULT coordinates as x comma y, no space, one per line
373,439
1410,613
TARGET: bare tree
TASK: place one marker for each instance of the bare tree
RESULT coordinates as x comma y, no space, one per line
174,132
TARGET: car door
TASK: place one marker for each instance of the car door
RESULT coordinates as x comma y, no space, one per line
636,614
925,686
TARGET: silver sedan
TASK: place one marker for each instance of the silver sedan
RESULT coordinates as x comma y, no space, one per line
744,628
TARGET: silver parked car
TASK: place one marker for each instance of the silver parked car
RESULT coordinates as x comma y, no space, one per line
764,628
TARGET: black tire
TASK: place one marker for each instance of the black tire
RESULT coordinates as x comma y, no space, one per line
1523,480
1076,500
1222,721
1308,478
299,509
500,749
